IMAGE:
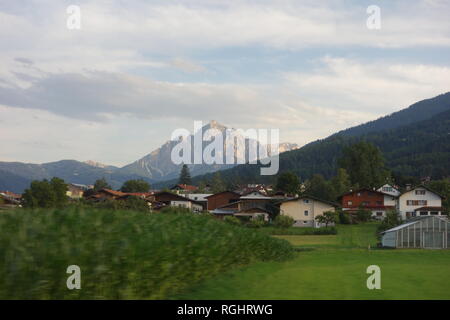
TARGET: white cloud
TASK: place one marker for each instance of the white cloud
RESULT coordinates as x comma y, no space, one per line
378,87
102,80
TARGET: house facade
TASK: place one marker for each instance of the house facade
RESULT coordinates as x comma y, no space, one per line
183,188
175,200
242,209
419,201
305,209
221,199
376,202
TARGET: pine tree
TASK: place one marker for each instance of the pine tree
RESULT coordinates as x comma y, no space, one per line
185,176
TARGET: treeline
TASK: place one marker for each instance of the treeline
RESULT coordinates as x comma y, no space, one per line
53,194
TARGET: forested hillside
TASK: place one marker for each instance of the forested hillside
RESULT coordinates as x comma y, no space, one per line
418,149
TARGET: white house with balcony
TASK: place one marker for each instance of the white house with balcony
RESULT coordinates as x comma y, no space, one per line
420,201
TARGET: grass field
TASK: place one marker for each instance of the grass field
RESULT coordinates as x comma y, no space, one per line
334,267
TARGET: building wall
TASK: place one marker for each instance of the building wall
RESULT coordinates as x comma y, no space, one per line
359,198
221,199
390,200
407,210
296,210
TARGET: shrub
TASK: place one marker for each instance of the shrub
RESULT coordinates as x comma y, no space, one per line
391,220
343,218
121,254
363,215
283,221
299,231
257,222
170,209
232,220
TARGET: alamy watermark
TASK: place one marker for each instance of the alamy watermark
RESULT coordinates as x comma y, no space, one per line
231,146
74,18
373,22
74,280
374,280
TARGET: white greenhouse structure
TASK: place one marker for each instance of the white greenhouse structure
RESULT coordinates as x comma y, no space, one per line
432,232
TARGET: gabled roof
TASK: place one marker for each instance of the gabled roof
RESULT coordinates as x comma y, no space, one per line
361,190
113,192
413,221
185,187
226,191
259,195
422,186
430,209
309,197
177,196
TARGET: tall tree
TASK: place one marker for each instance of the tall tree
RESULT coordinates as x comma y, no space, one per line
60,190
101,184
318,187
288,182
443,188
217,184
138,185
365,164
341,182
46,194
185,176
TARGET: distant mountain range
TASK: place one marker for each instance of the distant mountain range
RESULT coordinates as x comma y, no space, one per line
415,141
155,166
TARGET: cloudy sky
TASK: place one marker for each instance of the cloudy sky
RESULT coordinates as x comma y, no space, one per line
115,89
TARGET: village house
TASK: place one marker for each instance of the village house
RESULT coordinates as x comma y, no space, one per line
221,199
199,197
253,204
420,201
106,194
9,200
183,189
305,209
242,209
175,200
376,202
75,191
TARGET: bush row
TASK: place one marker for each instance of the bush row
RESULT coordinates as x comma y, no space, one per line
122,254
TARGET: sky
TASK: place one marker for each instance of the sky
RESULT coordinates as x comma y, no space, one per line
117,87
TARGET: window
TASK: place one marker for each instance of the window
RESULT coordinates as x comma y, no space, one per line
434,213
420,191
365,203
305,222
306,212
423,213
388,189
349,203
305,200
379,214
359,194
416,202
379,203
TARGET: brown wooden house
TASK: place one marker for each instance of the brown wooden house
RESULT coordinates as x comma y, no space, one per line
221,199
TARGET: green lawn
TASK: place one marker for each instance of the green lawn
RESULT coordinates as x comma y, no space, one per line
335,268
